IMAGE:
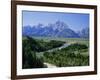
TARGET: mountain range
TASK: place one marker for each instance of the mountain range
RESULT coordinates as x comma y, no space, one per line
57,29
84,33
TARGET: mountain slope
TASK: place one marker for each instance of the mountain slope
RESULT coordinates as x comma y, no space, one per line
84,33
58,29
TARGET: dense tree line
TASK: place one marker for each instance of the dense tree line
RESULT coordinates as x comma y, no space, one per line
30,60
31,46
41,45
69,56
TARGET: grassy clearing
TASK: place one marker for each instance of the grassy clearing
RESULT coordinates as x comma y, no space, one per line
67,40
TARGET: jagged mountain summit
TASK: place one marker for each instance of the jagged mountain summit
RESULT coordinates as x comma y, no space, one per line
84,33
57,29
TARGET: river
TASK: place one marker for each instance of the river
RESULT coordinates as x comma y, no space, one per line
39,54
48,65
63,46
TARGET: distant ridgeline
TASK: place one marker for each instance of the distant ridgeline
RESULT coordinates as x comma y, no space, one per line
58,29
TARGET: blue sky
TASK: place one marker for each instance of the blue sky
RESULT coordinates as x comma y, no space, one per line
75,21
